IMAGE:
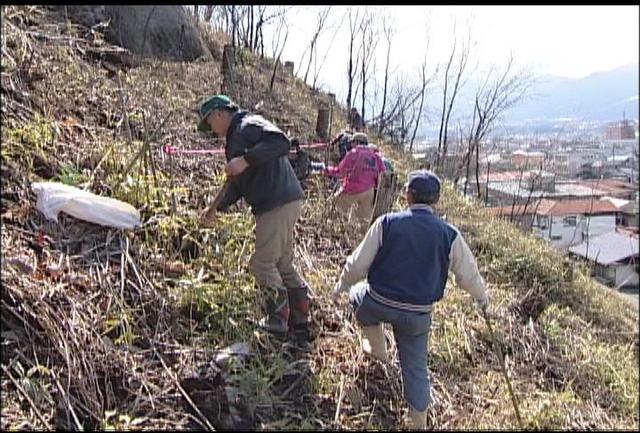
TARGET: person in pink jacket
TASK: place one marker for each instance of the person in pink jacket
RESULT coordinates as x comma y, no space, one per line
359,171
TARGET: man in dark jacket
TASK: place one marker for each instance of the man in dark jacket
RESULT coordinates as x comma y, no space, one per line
259,171
406,257
300,162
355,120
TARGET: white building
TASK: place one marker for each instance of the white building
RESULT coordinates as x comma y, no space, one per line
570,222
615,255
562,222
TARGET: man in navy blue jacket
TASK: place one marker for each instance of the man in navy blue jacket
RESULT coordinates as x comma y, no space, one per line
406,257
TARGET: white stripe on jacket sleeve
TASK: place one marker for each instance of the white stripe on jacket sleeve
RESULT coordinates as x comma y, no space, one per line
463,265
357,265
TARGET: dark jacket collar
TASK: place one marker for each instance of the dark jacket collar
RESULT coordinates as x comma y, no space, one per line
235,121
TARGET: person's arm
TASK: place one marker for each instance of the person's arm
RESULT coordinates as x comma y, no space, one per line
463,265
345,166
380,164
304,162
230,196
268,145
357,265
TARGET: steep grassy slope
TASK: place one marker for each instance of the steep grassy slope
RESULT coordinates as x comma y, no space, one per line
103,328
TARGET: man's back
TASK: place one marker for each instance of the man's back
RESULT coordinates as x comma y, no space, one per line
412,262
269,181
360,169
302,164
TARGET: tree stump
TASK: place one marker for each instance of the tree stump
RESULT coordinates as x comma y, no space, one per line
288,67
322,125
385,194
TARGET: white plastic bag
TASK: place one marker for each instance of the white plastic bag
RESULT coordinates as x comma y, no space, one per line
54,197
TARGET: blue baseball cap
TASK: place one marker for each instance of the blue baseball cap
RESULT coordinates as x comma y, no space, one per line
211,104
423,182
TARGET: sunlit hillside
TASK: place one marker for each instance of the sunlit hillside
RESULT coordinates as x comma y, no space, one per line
111,329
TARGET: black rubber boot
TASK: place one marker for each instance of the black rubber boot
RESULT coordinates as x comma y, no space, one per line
299,316
276,306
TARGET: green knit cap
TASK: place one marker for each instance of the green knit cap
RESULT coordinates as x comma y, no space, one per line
207,107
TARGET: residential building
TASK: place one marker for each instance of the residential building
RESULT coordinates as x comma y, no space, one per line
612,187
615,257
629,215
562,222
508,191
530,159
521,192
623,130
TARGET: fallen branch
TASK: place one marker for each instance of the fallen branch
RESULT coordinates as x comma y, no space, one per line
340,397
66,398
183,392
24,393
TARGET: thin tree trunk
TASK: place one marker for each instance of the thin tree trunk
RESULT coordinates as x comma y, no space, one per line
477,145
251,29
469,156
422,92
453,97
350,73
384,92
364,71
486,188
234,25
444,104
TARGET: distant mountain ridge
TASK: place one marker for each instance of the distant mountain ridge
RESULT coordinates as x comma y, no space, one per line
598,98
601,96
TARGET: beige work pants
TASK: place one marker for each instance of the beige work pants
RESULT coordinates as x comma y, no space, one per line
363,200
283,292
272,261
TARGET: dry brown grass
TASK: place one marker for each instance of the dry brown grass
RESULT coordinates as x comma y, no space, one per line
110,329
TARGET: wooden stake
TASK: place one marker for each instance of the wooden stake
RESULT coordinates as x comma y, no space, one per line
385,195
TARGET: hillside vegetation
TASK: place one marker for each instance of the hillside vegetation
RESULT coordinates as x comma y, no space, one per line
103,328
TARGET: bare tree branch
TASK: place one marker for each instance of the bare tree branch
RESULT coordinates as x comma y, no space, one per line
353,25
389,32
447,107
324,58
321,20
494,98
368,47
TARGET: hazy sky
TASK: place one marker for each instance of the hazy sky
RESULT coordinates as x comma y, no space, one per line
570,41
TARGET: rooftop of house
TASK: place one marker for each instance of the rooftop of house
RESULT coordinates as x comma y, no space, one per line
577,207
506,176
533,153
572,189
611,186
608,248
620,158
617,202
557,208
515,210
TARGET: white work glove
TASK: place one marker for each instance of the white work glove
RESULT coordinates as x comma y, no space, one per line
317,166
483,302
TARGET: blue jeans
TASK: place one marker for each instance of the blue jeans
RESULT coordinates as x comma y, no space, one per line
411,331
